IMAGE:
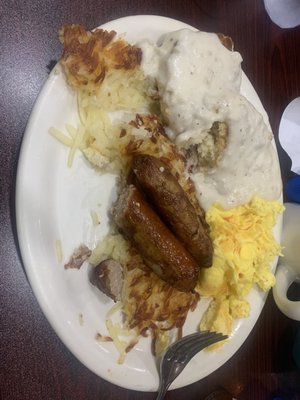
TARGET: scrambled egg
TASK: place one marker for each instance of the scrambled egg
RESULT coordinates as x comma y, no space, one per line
244,248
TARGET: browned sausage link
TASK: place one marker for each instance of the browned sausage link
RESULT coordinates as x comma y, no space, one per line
173,206
159,248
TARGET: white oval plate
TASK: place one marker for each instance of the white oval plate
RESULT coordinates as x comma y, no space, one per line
53,202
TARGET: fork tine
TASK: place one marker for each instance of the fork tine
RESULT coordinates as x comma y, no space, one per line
201,335
195,346
198,339
183,350
186,349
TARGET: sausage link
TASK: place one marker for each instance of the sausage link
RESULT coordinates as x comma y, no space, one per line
159,248
173,205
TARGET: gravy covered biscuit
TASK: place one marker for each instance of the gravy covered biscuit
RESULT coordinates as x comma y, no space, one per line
199,84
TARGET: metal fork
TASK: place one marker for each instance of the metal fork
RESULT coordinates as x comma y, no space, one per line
180,353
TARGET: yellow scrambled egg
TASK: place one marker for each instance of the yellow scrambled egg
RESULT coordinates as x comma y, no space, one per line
244,249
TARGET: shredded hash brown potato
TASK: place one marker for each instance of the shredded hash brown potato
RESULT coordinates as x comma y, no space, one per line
120,117
149,304
58,251
89,56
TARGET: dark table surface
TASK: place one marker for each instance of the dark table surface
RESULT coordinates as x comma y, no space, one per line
34,364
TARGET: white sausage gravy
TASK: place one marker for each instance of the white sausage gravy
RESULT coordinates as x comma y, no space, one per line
198,81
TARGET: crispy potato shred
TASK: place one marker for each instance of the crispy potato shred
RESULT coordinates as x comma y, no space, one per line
151,304
105,73
88,56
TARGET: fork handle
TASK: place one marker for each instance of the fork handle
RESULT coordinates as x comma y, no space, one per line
162,390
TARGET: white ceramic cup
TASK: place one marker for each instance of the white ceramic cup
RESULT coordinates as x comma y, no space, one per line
288,269
284,13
